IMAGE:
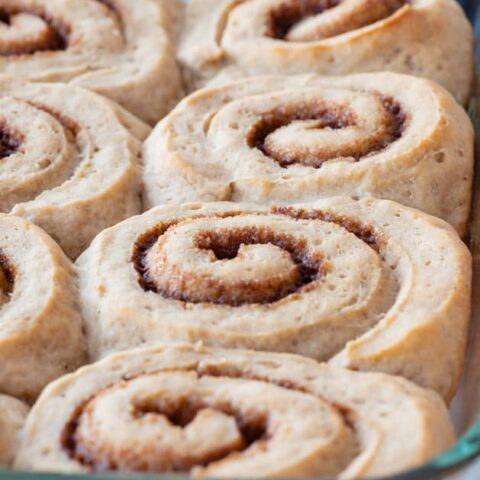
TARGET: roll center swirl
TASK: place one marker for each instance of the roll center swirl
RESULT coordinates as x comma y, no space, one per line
288,14
28,31
277,132
236,259
234,264
185,412
188,421
310,20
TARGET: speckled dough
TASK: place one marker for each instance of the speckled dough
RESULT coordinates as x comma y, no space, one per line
225,413
369,285
41,334
118,48
275,139
12,417
236,38
69,160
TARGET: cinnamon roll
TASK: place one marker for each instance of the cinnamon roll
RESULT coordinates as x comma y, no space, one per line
224,413
368,285
69,160
13,413
118,48
269,140
233,38
41,335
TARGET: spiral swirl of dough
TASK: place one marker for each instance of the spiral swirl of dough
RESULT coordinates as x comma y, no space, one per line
227,39
69,160
360,284
270,140
118,48
41,336
222,413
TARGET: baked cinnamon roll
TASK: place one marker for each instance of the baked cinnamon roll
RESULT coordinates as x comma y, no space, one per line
118,48
233,38
225,413
13,413
271,140
41,335
368,285
69,160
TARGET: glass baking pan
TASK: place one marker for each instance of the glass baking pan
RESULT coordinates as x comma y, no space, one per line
462,461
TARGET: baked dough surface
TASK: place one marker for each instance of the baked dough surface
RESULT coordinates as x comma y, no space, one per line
215,413
369,284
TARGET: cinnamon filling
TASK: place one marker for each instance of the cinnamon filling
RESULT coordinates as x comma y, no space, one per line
174,284
181,412
324,115
72,128
10,141
365,233
56,36
214,371
7,278
141,248
289,13
110,4
307,267
252,425
294,20
225,245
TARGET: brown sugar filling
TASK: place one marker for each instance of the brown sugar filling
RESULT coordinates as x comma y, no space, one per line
225,245
10,141
141,247
110,4
253,425
57,36
71,127
289,13
325,115
366,233
253,428
7,278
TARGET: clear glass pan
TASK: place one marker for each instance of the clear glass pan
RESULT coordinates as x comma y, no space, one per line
462,461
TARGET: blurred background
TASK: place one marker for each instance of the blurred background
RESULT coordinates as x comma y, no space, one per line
470,7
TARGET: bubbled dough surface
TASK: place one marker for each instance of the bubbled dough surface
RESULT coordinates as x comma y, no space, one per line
227,39
200,151
375,318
